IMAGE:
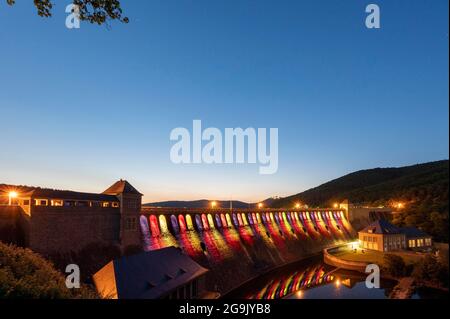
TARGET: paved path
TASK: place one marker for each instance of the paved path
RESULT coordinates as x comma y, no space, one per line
404,289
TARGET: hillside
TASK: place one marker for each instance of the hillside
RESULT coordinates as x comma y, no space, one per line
423,189
202,203
379,186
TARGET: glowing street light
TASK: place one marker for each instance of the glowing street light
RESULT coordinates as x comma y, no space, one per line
12,195
337,283
260,205
400,205
213,204
297,205
335,205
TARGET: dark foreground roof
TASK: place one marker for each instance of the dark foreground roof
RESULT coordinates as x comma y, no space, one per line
381,226
121,187
149,275
412,232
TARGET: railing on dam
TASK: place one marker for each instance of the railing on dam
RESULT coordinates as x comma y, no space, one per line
308,223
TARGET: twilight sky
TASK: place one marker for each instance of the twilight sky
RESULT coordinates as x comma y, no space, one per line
82,108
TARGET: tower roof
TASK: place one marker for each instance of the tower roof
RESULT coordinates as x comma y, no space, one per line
121,187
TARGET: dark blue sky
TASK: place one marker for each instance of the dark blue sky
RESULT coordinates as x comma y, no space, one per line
82,108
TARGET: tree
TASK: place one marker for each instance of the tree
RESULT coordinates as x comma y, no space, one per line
25,274
93,11
394,265
429,269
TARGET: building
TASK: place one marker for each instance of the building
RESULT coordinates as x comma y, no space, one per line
164,273
58,221
383,236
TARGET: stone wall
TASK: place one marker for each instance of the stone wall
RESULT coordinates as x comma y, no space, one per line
56,229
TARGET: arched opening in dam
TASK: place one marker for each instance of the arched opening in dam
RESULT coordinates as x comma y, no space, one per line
236,245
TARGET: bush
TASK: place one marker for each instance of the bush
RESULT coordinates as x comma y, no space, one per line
25,274
394,265
91,258
429,269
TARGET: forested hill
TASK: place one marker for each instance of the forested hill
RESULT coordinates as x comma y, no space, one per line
423,188
378,186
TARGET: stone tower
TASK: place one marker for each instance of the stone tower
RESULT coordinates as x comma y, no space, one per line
130,208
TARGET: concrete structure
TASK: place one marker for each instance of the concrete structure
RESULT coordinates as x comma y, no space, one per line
385,237
164,273
57,221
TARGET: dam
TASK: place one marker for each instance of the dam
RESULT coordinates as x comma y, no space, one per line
239,244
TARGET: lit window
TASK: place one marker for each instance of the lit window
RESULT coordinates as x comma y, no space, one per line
41,202
56,202
115,204
105,204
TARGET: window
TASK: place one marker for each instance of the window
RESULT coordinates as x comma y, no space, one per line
56,202
420,242
105,204
130,223
69,203
427,241
41,202
115,204
411,243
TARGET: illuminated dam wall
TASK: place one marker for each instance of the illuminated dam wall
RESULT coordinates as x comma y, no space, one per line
240,244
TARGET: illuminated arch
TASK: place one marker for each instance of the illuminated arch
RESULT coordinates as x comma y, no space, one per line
205,222
235,220
223,219
210,221
189,223
198,222
218,221
154,227
250,219
163,224
174,222
182,223
228,218
264,218
145,229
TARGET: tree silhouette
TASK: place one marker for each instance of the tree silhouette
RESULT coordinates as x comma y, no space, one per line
93,11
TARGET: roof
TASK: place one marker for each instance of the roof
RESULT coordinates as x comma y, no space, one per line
148,275
121,187
67,195
381,226
412,232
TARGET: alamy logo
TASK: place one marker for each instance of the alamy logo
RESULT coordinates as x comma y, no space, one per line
373,19
73,19
73,277
373,279
228,151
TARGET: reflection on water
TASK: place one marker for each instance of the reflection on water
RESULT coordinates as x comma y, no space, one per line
310,279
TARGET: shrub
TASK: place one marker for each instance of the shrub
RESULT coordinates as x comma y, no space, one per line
429,269
25,274
394,265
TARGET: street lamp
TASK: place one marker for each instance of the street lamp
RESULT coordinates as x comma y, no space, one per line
297,205
260,205
335,205
11,195
213,204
